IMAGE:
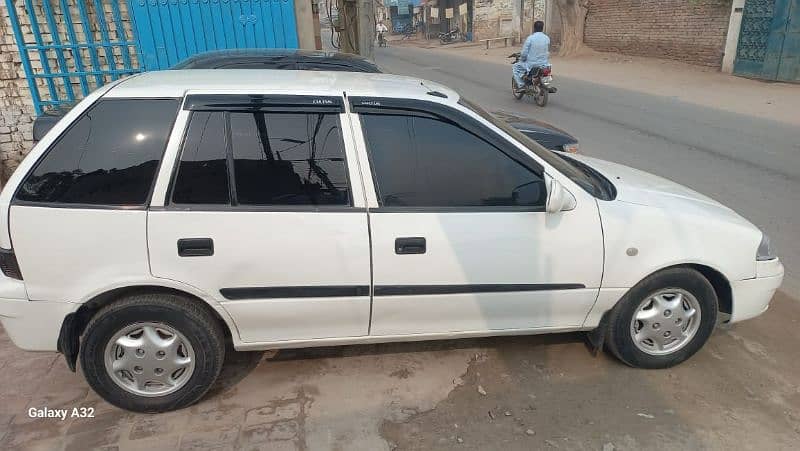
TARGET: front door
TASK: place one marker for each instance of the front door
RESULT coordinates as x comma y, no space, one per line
261,215
460,239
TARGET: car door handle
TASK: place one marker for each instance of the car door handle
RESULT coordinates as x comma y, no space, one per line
195,247
409,245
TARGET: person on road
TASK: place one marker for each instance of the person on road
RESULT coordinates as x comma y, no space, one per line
535,53
380,29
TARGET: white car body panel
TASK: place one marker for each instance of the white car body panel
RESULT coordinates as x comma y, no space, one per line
70,255
65,253
668,224
487,312
268,249
466,249
34,325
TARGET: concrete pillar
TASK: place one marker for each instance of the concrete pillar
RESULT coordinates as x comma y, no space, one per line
732,38
304,18
366,28
517,17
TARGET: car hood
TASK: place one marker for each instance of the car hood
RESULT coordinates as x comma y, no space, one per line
639,187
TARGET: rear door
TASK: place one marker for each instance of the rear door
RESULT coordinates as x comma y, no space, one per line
261,213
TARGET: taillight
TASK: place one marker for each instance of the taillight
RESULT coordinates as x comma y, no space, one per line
9,265
546,71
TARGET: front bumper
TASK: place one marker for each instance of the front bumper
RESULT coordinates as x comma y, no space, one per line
34,325
751,297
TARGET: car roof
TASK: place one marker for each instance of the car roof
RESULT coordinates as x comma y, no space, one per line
248,57
177,83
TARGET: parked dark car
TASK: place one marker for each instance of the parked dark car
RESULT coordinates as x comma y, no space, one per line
285,59
43,123
548,136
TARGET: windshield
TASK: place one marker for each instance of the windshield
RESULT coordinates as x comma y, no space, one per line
584,176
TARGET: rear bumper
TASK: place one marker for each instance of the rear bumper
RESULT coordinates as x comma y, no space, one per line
34,325
751,297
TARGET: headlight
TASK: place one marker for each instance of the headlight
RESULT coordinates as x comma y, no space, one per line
570,148
765,250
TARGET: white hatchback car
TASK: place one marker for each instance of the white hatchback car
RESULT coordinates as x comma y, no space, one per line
170,213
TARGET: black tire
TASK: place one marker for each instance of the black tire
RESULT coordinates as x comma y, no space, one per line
618,337
517,95
187,316
541,98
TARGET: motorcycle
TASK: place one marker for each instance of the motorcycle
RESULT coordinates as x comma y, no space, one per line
538,83
409,31
381,39
451,36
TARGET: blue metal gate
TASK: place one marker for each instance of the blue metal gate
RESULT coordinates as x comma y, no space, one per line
171,30
65,59
769,40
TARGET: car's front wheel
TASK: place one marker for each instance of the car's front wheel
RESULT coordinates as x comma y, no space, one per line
663,320
152,352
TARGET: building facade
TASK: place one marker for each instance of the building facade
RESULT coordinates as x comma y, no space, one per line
483,19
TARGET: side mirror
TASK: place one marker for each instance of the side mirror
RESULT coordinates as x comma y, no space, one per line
558,197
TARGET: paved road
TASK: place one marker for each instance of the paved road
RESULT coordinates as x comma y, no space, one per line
750,164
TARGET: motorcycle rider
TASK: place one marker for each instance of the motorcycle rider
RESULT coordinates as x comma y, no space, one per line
535,53
380,29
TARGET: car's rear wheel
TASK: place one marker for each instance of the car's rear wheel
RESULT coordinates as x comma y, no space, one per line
663,320
152,352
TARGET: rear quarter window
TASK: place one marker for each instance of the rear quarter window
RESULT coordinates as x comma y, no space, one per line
108,156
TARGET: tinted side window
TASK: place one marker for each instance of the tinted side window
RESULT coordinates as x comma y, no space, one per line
109,156
288,159
203,171
427,162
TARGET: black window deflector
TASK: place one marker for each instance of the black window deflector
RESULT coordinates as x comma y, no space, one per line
260,102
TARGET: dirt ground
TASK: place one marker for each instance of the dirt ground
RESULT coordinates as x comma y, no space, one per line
741,391
686,82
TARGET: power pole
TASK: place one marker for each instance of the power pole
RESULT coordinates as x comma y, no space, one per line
357,22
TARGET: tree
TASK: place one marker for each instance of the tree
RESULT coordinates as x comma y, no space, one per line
573,19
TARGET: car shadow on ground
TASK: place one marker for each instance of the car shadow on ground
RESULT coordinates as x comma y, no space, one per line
239,364
424,346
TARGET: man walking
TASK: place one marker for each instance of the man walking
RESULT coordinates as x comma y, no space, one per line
535,53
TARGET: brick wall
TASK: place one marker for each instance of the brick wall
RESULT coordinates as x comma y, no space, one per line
16,106
692,31
489,14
